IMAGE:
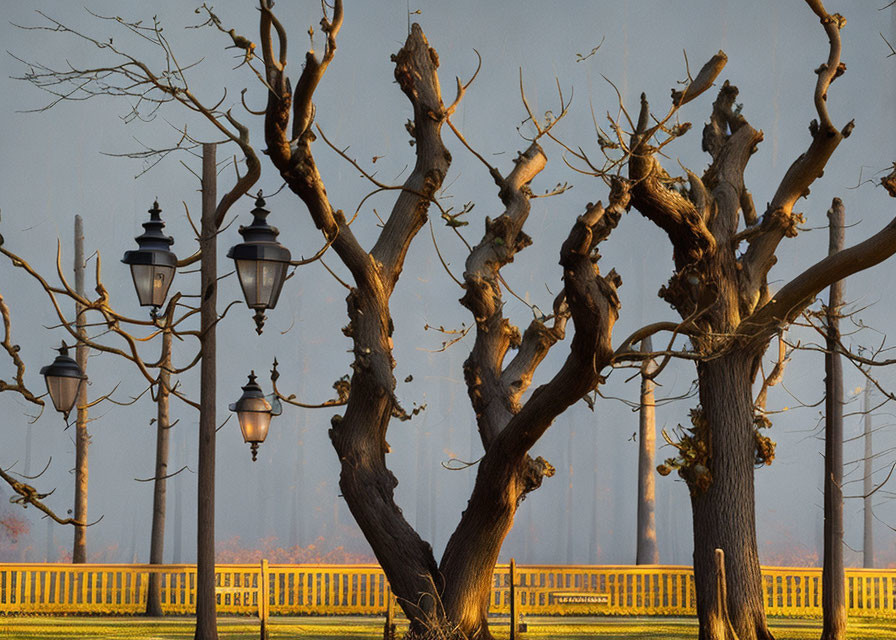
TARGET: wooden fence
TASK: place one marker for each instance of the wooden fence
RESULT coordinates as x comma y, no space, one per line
362,590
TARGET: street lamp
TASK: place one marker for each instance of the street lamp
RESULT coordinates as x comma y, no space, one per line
64,378
261,263
254,412
153,264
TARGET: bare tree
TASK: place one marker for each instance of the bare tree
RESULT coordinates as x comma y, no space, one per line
450,597
723,252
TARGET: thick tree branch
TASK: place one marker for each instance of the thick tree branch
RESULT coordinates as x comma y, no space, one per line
779,220
502,239
786,305
291,154
28,495
416,66
593,306
13,351
665,207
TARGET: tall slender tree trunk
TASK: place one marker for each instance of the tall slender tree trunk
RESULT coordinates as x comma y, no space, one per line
833,577
723,511
82,438
206,607
159,496
647,552
570,505
178,533
868,537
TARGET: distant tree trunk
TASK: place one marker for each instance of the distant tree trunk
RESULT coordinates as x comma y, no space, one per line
51,542
178,534
206,607
159,496
647,552
868,537
570,509
833,578
724,512
82,438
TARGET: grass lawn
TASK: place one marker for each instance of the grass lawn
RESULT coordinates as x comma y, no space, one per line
23,628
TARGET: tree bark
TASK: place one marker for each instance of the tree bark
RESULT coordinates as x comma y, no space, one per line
868,525
159,496
724,511
833,577
82,437
206,605
647,551
505,472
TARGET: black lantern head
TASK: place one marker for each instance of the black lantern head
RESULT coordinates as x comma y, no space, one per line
261,263
153,264
64,379
254,413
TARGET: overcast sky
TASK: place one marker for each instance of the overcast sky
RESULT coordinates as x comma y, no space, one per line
61,162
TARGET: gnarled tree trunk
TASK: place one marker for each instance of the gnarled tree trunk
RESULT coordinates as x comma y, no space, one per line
724,512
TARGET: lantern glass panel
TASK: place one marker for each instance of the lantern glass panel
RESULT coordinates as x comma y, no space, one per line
261,281
152,283
63,391
254,425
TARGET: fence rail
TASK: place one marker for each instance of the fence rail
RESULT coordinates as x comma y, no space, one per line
362,589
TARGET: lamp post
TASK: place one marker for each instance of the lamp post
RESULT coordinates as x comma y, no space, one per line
254,413
261,263
64,379
152,264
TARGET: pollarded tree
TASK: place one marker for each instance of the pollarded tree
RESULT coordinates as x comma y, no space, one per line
450,597
722,254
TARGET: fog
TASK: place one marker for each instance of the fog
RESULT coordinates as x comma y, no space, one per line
61,162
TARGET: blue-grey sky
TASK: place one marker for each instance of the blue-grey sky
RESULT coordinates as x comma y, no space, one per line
56,164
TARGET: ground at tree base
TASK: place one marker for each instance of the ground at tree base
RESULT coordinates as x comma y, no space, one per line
319,628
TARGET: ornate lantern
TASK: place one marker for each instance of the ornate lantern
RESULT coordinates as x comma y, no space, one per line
64,379
261,263
153,264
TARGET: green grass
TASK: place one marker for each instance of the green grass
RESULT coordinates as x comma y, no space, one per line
24,628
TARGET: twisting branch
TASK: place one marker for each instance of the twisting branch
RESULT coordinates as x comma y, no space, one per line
779,220
13,351
776,375
28,495
112,319
342,387
797,294
491,396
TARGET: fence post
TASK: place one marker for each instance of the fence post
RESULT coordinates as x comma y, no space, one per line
513,628
263,600
389,627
